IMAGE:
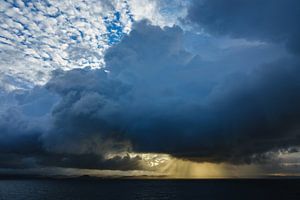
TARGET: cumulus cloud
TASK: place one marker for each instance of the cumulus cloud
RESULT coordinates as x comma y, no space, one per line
35,132
182,105
154,96
159,94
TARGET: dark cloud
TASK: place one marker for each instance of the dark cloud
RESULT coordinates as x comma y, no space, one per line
155,96
161,98
92,161
85,119
54,127
267,20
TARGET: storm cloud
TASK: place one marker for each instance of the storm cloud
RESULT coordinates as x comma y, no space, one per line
156,96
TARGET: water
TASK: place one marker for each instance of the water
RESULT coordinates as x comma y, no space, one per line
149,189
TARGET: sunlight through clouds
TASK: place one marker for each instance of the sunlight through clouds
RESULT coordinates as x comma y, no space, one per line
160,88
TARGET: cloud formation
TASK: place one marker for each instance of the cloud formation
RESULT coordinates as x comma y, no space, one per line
234,100
153,96
37,37
182,105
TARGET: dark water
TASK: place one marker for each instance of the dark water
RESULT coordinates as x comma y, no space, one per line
149,189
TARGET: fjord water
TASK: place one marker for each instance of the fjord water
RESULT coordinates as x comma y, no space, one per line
149,189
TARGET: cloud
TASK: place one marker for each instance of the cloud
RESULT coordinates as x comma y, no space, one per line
254,20
155,96
163,99
37,37
42,36
159,13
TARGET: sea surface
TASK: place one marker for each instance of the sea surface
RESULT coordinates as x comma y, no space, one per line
149,189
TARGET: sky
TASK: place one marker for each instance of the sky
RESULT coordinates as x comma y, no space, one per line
150,88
